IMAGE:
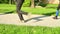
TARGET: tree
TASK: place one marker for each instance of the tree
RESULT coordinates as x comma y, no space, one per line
10,1
32,3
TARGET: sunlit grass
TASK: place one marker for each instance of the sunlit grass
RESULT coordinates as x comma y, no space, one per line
13,29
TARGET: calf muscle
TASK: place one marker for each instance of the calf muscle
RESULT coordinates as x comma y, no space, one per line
19,4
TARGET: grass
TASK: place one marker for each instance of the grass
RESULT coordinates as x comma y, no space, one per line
13,29
50,9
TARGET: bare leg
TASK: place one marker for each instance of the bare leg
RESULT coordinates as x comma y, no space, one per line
18,8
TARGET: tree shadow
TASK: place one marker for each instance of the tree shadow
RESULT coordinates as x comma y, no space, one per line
10,12
51,7
49,14
38,18
23,12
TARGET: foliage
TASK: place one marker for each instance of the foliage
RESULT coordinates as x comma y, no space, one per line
4,1
42,3
26,3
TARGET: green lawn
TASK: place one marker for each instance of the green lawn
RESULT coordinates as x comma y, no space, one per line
13,29
50,9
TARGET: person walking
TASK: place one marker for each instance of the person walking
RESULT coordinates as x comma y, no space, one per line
57,11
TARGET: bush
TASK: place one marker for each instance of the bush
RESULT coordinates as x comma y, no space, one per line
26,3
4,1
42,3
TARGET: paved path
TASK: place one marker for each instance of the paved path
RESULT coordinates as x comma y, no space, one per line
32,20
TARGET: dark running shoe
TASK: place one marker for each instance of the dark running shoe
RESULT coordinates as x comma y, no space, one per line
55,17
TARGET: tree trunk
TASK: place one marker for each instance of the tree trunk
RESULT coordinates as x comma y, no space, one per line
32,3
10,1
18,8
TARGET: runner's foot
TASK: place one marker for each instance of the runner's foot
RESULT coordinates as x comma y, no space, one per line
55,17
